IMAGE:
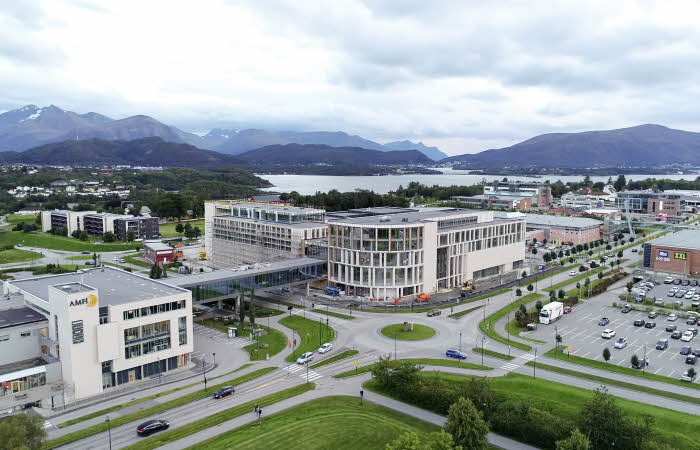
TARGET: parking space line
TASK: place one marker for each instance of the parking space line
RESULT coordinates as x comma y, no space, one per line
657,370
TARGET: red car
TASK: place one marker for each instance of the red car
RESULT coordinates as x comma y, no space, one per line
671,328
567,309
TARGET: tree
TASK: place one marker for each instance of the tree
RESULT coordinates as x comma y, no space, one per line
600,275
241,310
539,305
534,251
546,257
130,236
406,441
108,237
561,294
83,236
606,354
634,360
518,292
524,274
395,375
691,373
619,254
552,296
163,272
22,431
629,287
179,228
196,232
466,425
251,309
576,441
620,183
94,258
440,440
530,287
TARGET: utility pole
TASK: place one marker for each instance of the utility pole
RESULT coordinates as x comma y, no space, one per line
483,338
534,364
460,341
204,370
109,430
395,344
508,330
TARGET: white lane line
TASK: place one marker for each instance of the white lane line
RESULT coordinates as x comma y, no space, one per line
509,366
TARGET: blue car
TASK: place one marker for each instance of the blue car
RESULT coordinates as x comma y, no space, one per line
452,353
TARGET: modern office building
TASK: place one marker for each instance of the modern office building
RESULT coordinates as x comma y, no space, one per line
677,252
540,193
70,220
97,224
107,327
649,202
560,229
492,201
239,233
389,253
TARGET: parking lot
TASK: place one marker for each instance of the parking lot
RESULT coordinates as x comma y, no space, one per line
683,297
581,335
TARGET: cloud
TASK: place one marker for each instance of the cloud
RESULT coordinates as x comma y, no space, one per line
466,76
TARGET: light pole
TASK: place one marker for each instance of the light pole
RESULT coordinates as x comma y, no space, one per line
508,331
534,364
109,431
214,355
556,340
460,342
320,331
158,369
645,359
396,331
204,370
307,370
483,339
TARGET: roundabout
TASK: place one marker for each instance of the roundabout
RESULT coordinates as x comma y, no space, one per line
415,332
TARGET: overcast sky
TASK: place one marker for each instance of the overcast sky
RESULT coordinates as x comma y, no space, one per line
460,75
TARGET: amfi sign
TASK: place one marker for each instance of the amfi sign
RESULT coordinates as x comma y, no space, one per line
90,300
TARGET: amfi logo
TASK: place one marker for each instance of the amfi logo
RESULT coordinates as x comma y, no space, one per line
92,300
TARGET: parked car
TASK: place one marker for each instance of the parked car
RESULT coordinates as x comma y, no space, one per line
604,321
608,334
672,317
676,335
686,283
452,353
691,359
626,309
573,273
677,281
305,358
691,320
641,364
433,313
85,252
621,343
693,330
688,378
671,328
658,301
650,325
662,344
639,323
668,280
685,351
224,392
325,348
652,315
567,309
634,250
687,336
152,426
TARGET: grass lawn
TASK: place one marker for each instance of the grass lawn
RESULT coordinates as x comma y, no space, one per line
333,314
131,259
551,273
167,230
418,333
43,240
275,340
615,368
309,334
153,410
422,362
213,420
493,354
514,328
488,326
340,356
671,427
329,422
461,314
14,219
16,255
613,382
580,276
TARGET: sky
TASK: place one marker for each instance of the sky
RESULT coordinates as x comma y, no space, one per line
463,76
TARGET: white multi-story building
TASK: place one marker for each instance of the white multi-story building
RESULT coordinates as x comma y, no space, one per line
239,233
70,220
390,253
107,327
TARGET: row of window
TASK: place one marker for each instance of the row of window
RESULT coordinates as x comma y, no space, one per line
155,309
146,331
6,337
146,347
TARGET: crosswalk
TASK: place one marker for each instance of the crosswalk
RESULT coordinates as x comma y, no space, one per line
46,424
220,337
509,366
300,370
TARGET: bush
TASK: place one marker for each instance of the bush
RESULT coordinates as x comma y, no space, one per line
528,424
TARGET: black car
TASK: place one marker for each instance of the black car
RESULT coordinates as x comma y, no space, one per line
224,392
641,364
152,426
694,283
691,321
696,352
677,281
433,313
691,359
650,325
685,351
604,321
626,309
652,315
639,323
676,335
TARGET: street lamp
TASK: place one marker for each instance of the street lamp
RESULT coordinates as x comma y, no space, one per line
214,355
483,339
395,331
460,342
534,364
556,339
109,430
158,358
204,370
508,331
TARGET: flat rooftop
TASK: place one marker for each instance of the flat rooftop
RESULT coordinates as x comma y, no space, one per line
21,365
688,239
273,207
498,196
300,225
114,286
228,274
19,316
372,216
158,246
561,221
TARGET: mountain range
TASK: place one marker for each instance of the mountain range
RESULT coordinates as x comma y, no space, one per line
31,126
640,146
299,154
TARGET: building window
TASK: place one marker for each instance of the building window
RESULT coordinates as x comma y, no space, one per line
26,333
182,330
155,309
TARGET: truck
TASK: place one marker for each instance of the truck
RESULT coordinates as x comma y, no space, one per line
423,298
551,312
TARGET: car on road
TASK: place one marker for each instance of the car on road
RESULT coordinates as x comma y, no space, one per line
662,344
89,263
608,334
626,309
604,321
85,252
573,273
152,426
685,351
639,323
634,250
452,353
652,315
691,359
224,392
687,336
325,348
671,317
671,328
688,378
650,325
567,309
305,358
433,313
676,335
621,343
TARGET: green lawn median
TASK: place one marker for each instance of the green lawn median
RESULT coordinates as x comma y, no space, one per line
488,326
580,276
339,357
13,255
274,339
460,314
422,362
333,314
215,419
354,425
49,241
416,332
493,354
613,382
618,369
154,410
310,334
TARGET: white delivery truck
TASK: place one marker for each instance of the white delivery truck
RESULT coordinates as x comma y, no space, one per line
551,312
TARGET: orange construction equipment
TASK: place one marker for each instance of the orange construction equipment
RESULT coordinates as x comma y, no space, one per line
423,298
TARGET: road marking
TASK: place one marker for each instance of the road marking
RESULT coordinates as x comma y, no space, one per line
583,356
657,370
47,424
527,357
509,367
303,372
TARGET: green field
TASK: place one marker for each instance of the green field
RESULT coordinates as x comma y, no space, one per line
418,333
671,427
167,230
276,340
14,219
493,354
580,276
326,423
49,241
333,314
16,255
309,334
422,362
340,356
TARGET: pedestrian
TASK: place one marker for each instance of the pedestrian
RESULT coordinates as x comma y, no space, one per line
255,409
260,413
